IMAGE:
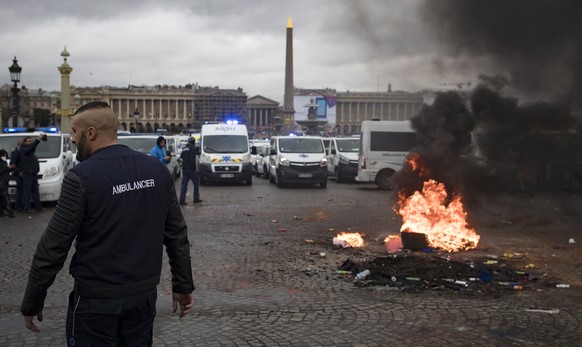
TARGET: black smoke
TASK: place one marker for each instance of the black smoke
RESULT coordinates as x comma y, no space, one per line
489,140
444,130
536,44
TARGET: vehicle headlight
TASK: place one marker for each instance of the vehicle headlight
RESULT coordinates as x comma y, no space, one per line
344,160
283,161
51,171
204,158
323,161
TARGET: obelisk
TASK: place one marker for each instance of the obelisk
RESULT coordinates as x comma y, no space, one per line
288,117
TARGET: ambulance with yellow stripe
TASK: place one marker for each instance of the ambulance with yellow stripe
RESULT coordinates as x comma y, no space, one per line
225,154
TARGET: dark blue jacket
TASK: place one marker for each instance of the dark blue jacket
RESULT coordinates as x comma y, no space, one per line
188,156
28,159
121,206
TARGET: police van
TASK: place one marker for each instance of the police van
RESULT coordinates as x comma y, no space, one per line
384,146
297,159
225,154
342,158
55,158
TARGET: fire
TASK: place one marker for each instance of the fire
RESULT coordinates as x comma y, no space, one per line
445,225
345,240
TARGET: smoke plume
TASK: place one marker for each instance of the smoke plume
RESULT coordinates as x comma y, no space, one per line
535,43
490,138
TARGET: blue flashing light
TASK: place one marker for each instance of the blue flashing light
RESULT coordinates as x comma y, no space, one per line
232,121
51,130
15,130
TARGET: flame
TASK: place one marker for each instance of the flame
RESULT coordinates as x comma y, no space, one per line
413,159
445,225
345,239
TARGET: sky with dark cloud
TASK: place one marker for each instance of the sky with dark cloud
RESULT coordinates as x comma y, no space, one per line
342,44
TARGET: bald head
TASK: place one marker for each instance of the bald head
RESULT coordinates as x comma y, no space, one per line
99,115
94,126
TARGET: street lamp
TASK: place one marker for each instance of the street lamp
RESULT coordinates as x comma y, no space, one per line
15,71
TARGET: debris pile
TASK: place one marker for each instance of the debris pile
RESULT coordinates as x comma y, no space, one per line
419,272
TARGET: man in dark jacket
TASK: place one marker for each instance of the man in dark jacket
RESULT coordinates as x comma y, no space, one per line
120,207
30,168
17,174
189,172
5,208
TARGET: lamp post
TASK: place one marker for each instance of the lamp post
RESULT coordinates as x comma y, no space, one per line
15,71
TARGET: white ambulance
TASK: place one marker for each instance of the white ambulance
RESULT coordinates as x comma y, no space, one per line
55,158
225,154
384,146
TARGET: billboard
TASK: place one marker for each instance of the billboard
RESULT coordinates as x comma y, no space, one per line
323,107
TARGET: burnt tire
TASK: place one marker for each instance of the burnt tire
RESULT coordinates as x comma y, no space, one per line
384,179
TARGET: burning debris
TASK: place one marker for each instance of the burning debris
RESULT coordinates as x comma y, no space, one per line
346,240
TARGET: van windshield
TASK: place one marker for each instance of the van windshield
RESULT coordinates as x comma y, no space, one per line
143,145
225,144
299,145
51,148
348,145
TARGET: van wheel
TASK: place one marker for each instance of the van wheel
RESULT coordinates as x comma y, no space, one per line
338,176
271,178
384,179
278,181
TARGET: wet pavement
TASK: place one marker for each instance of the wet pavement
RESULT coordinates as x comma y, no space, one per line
264,266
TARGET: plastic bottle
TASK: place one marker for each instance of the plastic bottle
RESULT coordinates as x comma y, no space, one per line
362,275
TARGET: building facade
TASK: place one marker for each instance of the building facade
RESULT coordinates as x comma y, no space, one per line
264,117
355,107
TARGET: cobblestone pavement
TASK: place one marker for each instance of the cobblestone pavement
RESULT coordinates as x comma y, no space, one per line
262,280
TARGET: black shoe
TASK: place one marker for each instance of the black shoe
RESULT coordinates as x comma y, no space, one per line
197,201
183,203
10,214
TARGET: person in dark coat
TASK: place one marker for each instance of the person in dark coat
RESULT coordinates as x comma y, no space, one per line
16,167
5,208
120,208
30,168
189,171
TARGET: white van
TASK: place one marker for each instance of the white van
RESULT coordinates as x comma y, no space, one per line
145,142
225,154
297,159
55,158
342,158
383,148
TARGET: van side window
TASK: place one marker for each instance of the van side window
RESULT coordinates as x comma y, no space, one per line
392,141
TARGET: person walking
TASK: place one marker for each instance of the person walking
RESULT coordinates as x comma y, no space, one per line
189,171
159,151
16,167
5,208
30,168
121,209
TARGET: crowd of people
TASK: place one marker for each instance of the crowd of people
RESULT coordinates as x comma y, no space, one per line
23,168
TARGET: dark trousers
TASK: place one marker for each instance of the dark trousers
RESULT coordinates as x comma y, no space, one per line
19,193
187,176
30,187
4,200
123,321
